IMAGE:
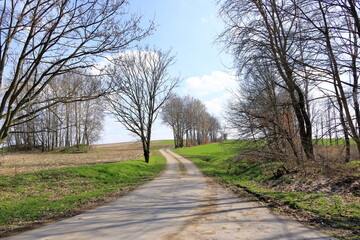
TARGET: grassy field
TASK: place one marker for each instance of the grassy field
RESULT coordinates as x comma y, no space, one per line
337,212
327,142
36,197
162,143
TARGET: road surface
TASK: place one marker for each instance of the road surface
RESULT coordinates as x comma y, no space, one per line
177,205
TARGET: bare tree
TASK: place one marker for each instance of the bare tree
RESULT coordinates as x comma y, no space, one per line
337,28
188,117
264,31
41,39
173,113
140,84
308,44
63,124
262,110
195,112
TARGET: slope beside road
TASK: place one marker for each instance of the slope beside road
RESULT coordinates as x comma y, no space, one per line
180,204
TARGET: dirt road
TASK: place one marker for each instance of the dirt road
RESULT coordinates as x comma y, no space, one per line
181,204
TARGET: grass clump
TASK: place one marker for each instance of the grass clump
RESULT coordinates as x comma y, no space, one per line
354,165
81,148
217,160
63,192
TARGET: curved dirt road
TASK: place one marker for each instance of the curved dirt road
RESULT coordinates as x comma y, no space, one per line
181,204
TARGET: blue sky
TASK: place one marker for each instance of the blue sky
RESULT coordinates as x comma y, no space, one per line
189,28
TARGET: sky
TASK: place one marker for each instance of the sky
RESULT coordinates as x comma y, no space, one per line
189,28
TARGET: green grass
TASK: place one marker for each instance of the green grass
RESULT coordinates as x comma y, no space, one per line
215,160
81,148
161,143
56,193
355,166
327,142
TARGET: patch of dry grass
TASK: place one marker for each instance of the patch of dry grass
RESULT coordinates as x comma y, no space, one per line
16,163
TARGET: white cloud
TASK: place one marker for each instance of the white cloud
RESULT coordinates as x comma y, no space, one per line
161,131
115,132
216,82
214,90
203,20
216,105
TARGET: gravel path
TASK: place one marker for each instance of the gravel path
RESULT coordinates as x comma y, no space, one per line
177,205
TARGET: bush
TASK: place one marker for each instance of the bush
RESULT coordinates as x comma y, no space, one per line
82,148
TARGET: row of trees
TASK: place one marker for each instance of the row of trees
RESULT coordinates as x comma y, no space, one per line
190,122
63,124
41,40
133,87
295,58
51,94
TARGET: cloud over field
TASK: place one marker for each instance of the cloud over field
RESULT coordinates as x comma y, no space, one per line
212,89
217,82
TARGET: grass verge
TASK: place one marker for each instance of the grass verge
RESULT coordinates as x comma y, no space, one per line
38,197
331,211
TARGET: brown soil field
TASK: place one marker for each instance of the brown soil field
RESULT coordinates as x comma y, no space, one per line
23,162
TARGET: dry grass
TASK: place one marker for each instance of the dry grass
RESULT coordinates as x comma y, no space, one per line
335,153
15,163
330,160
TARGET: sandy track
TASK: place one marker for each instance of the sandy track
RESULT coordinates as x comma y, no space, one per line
176,206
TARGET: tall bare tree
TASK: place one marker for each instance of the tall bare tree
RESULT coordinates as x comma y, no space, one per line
309,45
337,42
140,84
262,110
173,114
264,31
41,39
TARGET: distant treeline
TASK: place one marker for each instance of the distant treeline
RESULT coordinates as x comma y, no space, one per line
190,122
72,122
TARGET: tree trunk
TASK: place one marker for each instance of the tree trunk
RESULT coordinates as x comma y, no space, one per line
147,155
338,85
146,149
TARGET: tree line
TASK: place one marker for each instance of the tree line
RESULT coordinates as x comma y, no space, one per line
298,62
190,122
53,91
64,124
